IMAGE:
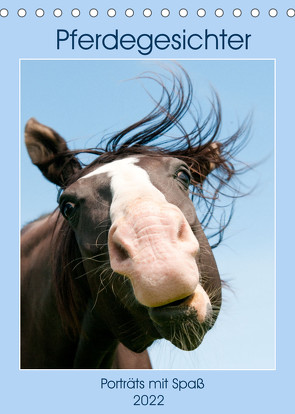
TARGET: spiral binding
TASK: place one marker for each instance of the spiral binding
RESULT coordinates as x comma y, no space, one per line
165,13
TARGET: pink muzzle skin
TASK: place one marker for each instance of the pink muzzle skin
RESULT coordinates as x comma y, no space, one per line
153,245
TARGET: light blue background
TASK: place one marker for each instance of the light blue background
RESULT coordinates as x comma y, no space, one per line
84,100
230,391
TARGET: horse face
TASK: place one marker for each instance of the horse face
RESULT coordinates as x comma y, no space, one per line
137,230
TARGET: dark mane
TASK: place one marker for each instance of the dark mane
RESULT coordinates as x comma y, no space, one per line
150,136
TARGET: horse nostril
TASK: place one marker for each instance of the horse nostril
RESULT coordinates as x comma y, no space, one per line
181,231
186,237
118,249
120,252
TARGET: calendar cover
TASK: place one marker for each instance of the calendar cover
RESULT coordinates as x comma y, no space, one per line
147,239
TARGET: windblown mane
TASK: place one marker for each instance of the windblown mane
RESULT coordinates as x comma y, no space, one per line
149,136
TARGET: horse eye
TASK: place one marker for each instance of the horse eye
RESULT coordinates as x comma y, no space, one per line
184,177
67,209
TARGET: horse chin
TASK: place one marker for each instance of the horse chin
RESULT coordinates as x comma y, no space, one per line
178,322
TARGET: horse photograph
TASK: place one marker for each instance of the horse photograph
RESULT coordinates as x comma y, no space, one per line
147,228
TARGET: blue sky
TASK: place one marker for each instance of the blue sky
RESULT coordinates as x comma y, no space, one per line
84,100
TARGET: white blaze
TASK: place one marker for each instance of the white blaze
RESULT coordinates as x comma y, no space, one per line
128,182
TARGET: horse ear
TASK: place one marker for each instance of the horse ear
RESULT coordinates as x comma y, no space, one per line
209,157
49,152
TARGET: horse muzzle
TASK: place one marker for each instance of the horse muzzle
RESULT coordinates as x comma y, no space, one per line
153,245
185,322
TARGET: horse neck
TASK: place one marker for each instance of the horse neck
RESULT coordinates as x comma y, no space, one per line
37,231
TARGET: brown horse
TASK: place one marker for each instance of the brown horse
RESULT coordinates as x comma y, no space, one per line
124,260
